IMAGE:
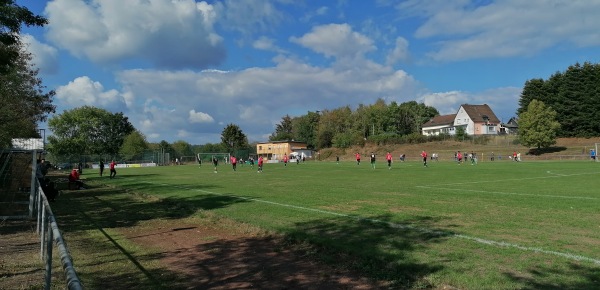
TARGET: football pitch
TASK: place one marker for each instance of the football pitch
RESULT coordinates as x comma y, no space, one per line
494,225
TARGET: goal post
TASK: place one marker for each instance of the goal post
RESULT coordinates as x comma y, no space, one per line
595,156
207,157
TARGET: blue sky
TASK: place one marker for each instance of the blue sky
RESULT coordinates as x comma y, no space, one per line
184,69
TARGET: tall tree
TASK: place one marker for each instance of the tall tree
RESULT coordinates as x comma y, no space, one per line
283,130
12,18
23,100
134,145
88,130
573,94
538,126
305,128
233,138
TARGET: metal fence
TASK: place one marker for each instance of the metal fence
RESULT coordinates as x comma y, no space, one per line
16,172
49,233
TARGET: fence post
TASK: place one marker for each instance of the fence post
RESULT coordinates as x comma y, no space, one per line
43,233
49,240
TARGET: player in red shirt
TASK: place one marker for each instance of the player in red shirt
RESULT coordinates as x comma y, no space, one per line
424,155
388,157
233,162
113,171
285,159
260,164
357,158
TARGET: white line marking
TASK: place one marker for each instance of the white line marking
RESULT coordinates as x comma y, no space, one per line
509,193
516,179
401,226
557,174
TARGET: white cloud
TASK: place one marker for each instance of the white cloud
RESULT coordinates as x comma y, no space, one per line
82,91
445,102
265,43
45,57
504,28
169,34
399,53
200,117
254,98
336,40
503,101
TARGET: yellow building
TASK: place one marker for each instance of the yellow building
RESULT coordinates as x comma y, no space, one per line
276,149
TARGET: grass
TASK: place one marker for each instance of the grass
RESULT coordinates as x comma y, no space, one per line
495,225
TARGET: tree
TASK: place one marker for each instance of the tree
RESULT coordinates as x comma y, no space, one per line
12,17
283,130
538,126
182,148
305,128
233,138
88,130
23,100
134,145
573,94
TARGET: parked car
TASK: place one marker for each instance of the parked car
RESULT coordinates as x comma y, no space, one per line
63,166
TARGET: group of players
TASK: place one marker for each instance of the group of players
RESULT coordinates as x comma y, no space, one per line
373,158
388,158
233,161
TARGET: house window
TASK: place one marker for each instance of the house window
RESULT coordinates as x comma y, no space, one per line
491,129
259,147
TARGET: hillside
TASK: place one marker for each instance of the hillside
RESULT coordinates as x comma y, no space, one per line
573,148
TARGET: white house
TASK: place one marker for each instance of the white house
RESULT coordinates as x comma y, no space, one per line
474,119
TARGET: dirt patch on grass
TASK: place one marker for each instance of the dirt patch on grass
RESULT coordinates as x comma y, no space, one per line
223,255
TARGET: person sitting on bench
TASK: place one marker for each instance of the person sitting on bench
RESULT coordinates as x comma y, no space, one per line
74,178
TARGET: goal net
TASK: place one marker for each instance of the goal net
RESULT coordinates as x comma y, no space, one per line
207,157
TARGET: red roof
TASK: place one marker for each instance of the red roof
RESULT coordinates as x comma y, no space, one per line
440,120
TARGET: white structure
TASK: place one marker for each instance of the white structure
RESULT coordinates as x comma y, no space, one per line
474,119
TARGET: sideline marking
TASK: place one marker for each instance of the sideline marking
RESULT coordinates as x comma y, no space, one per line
516,179
509,193
401,226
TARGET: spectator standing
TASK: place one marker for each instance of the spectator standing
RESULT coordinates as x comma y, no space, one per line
101,167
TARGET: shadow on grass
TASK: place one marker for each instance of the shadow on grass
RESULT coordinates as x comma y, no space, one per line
373,248
376,247
339,253
540,151
589,278
117,207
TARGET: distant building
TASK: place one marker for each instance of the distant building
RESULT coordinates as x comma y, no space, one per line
474,119
276,149
511,127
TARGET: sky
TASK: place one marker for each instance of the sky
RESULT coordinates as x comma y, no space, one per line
185,69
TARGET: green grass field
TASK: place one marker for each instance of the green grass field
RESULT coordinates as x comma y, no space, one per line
494,225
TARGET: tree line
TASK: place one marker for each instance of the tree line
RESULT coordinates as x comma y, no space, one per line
574,95
343,127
